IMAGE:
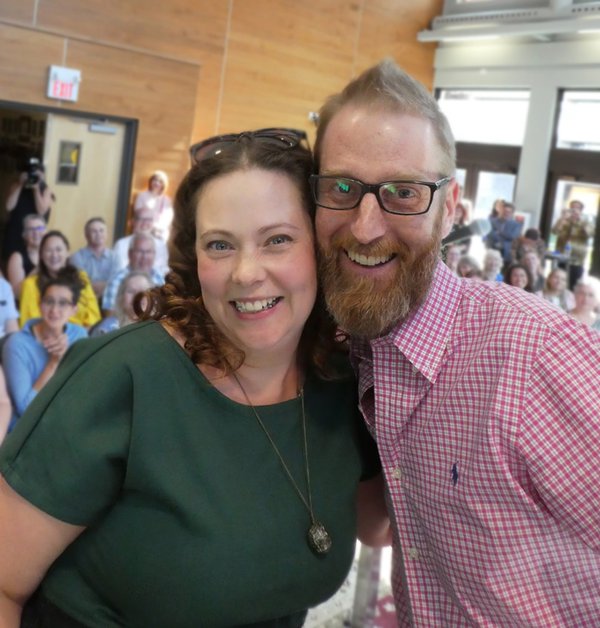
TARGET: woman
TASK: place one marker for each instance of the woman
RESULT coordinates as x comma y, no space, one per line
518,275
156,199
135,282
587,301
556,291
22,262
54,261
217,445
31,355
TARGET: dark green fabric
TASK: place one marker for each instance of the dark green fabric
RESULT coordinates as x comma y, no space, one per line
192,521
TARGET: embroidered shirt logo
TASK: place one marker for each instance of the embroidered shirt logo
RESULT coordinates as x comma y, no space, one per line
454,473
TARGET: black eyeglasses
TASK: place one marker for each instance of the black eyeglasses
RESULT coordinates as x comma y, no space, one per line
278,137
402,197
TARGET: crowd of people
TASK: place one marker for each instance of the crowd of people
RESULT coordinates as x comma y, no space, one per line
308,371
521,260
36,328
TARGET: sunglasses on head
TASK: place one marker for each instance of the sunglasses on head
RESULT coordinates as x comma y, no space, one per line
278,137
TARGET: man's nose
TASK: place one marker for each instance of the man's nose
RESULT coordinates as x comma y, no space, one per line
369,222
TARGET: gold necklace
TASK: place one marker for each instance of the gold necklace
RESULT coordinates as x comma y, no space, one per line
317,536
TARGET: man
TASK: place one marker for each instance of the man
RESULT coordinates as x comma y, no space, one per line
505,229
143,222
483,400
574,231
142,254
96,258
23,261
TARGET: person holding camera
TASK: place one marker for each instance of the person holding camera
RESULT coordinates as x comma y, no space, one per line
30,194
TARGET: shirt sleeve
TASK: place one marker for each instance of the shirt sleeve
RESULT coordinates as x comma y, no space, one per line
19,372
88,311
68,453
560,434
29,306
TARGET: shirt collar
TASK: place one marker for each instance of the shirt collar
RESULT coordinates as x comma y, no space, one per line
424,336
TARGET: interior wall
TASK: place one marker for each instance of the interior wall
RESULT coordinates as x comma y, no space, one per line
187,70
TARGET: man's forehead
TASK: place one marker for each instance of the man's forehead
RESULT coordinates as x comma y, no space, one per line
395,143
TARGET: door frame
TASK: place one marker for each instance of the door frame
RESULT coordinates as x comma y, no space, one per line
129,144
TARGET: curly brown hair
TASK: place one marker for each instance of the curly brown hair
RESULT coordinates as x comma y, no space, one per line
179,302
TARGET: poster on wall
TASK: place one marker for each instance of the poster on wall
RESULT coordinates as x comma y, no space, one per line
69,154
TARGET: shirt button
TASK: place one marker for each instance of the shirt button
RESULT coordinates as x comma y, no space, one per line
413,553
397,473
415,370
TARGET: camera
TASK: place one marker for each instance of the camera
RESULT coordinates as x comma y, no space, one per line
33,169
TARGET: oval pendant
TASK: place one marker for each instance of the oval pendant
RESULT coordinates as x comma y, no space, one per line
318,538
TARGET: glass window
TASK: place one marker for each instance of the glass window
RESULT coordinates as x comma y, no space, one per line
462,6
578,127
486,116
490,187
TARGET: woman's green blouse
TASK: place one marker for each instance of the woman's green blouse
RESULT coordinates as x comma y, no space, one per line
190,519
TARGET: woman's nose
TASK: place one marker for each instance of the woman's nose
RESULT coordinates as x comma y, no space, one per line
248,269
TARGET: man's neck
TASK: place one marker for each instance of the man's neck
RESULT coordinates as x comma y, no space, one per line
96,250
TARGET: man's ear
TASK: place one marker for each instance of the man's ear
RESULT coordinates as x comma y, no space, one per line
449,209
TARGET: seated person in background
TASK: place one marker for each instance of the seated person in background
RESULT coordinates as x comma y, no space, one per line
518,275
21,263
142,255
468,266
5,407
96,258
556,291
156,199
31,356
533,262
504,230
587,300
135,282
143,222
492,265
54,260
452,255
9,315
462,218
531,240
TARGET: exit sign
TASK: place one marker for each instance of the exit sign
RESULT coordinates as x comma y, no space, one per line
63,83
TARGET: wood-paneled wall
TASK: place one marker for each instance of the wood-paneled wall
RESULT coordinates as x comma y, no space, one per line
188,69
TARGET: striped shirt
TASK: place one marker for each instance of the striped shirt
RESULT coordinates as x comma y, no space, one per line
485,404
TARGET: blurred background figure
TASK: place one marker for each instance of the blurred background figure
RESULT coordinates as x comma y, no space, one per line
504,230
142,256
135,282
518,275
533,263
497,208
9,315
556,291
469,267
531,240
5,407
155,199
462,218
28,195
31,356
452,254
587,301
573,232
143,222
492,265
24,261
96,259
54,262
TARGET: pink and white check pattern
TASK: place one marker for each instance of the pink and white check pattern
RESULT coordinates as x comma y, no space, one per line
486,409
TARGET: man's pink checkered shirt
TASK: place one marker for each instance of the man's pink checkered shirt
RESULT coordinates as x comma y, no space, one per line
486,409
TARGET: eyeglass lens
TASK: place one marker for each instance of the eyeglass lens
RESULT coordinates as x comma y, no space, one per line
402,197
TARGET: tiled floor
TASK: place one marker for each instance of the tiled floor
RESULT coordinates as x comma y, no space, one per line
364,600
